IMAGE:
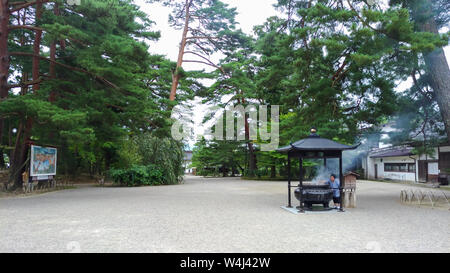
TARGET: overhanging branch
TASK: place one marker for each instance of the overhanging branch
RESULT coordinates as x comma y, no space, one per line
201,62
24,84
28,4
25,27
66,66
206,59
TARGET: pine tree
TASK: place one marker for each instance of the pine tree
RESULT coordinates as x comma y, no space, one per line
208,27
97,84
428,17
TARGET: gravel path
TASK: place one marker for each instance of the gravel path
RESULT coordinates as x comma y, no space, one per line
216,215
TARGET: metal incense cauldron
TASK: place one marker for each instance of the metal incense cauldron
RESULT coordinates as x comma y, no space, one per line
315,194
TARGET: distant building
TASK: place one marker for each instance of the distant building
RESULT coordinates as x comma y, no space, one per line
187,162
399,163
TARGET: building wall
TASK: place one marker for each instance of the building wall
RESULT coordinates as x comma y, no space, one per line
433,167
403,176
186,165
444,160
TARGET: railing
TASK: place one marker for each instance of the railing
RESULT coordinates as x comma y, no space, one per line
46,185
425,198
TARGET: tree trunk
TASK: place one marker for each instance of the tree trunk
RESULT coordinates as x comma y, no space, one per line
233,171
24,139
52,70
436,63
224,172
4,56
176,76
37,47
18,165
251,150
53,58
2,159
273,171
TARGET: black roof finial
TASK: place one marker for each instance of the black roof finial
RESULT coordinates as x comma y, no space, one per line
313,132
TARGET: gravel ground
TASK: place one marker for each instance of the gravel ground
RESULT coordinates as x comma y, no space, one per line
216,215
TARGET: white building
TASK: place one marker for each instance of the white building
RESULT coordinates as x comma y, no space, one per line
399,163
187,162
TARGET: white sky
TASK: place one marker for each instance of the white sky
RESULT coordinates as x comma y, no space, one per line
250,14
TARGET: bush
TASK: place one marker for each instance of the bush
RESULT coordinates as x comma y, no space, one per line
138,175
149,157
166,153
208,172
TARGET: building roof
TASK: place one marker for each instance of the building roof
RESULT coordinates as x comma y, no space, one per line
395,152
315,143
351,173
188,155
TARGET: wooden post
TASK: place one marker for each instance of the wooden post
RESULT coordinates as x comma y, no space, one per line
289,181
353,199
341,182
301,185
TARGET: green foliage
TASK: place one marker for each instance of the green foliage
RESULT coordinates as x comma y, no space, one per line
128,154
166,153
424,150
218,157
326,64
106,85
137,175
162,153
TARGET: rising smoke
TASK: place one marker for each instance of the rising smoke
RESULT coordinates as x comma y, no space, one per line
351,160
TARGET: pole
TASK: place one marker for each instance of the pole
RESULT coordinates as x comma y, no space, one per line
301,210
341,183
289,181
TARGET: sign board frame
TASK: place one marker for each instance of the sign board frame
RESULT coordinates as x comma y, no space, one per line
43,155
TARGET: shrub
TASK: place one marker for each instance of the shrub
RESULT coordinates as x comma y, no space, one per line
166,153
143,156
138,175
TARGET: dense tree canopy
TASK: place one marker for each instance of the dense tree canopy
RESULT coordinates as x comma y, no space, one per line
336,65
83,78
96,86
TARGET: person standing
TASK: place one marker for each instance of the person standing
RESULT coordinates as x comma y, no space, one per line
335,184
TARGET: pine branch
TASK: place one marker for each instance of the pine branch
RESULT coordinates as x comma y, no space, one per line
340,72
203,37
206,59
18,3
28,4
14,27
25,27
201,62
362,20
66,66
24,84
